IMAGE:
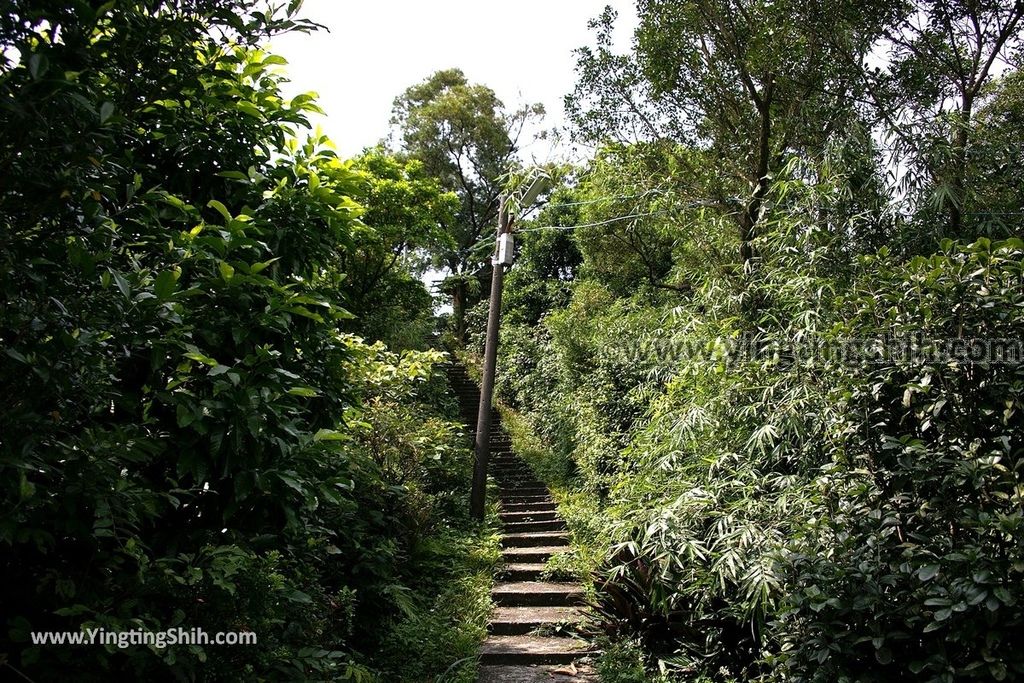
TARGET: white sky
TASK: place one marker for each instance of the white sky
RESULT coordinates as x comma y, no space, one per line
377,48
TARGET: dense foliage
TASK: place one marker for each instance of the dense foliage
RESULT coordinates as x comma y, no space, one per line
765,344
191,432
806,446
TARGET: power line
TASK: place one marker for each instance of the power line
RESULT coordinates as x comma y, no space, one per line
601,199
593,225
688,205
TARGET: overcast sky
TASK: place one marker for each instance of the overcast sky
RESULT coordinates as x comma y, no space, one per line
376,48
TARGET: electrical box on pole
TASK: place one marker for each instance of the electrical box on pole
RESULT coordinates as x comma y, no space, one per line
506,250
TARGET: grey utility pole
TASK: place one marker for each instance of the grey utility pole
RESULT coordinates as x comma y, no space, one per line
477,497
503,254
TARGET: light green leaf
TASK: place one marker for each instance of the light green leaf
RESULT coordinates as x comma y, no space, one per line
220,208
205,360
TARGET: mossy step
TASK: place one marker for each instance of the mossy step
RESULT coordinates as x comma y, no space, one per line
537,593
535,538
517,621
519,484
528,506
535,674
515,498
529,515
534,525
537,553
524,491
522,571
528,650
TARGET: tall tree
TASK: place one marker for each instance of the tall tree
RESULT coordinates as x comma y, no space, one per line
941,56
465,137
751,81
405,219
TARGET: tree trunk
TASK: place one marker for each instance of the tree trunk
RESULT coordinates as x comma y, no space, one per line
748,219
459,313
959,176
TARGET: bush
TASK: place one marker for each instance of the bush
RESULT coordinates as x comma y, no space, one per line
918,550
794,516
188,437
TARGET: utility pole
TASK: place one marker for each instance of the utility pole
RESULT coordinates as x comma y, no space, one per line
503,255
477,497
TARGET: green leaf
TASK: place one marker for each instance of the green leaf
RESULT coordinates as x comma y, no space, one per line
226,271
166,283
16,356
250,109
38,65
259,267
106,111
928,572
221,209
303,391
185,415
205,360
291,482
122,284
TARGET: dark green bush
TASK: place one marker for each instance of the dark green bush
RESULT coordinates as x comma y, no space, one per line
913,569
188,435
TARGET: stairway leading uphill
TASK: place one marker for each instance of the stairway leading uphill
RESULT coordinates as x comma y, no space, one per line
525,645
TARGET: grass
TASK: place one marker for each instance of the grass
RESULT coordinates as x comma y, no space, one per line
578,508
437,639
438,635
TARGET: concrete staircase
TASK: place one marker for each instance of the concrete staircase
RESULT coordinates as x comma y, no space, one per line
523,645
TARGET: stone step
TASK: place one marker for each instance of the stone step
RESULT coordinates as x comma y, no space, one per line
528,650
523,510
511,499
529,515
524,491
535,525
519,484
522,571
536,553
521,479
537,593
535,538
517,621
535,674
543,503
